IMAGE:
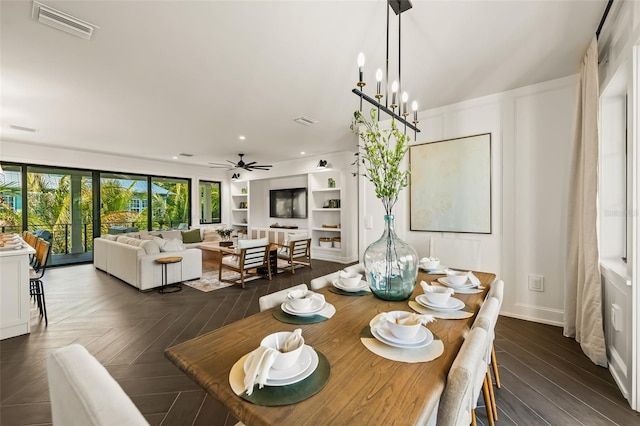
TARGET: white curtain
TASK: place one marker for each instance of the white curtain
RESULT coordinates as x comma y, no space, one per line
583,291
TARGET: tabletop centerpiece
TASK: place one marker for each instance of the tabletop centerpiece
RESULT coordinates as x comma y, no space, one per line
225,235
391,264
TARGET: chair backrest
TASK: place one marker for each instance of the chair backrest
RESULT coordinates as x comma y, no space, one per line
253,252
43,249
83,393
323,281
460,393
497,290
456,252
488,315
274,299
300,248
357,268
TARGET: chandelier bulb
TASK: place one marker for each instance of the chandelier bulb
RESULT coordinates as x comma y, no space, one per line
394,86
379,75
414,106
360,72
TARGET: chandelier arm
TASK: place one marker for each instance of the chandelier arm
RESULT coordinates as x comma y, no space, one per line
385,109
386,73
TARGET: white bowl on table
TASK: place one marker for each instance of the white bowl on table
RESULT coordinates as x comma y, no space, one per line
429,263
402,331
276,341
457,277
350,279
438,295
300,300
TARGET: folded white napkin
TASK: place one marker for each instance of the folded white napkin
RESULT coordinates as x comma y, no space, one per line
410,319
429,288
474,280
293,341
258,364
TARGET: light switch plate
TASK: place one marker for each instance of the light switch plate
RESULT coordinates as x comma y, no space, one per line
536,282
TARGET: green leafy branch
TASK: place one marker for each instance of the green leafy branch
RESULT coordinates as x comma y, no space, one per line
381,153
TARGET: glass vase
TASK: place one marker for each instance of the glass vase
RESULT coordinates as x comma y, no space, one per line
391,265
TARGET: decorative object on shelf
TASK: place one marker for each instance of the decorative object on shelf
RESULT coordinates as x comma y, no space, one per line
325,242
244,189
391,265
225,233
277,225
331,226
336,241
331,182
242,205
398,6
331,204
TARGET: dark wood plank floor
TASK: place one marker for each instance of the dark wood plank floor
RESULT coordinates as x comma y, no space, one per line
546,378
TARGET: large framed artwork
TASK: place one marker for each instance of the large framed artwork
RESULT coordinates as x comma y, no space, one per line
450,185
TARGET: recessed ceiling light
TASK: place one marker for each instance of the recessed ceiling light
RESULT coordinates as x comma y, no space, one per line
302,153
241,138
174,157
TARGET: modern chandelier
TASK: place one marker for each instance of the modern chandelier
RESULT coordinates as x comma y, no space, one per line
398,6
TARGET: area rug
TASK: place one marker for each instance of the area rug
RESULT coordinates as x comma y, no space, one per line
209,280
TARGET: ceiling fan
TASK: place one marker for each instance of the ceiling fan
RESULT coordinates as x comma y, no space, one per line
242,165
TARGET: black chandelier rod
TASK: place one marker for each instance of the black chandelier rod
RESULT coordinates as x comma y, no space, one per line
385,109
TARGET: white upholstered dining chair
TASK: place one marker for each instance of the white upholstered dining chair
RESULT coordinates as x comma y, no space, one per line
486,319
323,281
456,252
466,378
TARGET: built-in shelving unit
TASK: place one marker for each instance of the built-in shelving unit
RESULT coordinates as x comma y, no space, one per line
240,206
326,215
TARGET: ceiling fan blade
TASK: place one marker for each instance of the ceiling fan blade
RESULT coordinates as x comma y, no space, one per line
251,163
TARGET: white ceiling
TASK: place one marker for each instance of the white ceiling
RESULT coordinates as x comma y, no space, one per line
164,77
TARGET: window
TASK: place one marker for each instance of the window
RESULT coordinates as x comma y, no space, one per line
210,202
170,202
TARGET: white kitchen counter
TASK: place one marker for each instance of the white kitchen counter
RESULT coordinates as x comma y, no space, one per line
14,292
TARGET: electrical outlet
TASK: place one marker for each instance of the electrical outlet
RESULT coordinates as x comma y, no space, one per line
368,222
536,282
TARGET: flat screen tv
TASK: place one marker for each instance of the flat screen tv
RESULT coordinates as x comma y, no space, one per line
288,203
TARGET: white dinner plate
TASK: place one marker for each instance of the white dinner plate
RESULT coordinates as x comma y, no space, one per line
313,364
11,247
383,334
362,286
316,306
448,283
453,304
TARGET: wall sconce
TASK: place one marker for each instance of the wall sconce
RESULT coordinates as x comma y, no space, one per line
322,164
235,176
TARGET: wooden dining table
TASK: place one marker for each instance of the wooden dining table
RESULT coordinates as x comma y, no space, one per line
363,388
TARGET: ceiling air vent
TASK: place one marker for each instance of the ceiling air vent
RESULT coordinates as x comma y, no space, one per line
306,121
67,23
184,154
23,128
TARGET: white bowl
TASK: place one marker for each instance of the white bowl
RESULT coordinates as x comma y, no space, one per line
438,295
457,277
350,279
300,300
283,360
429,262
402,331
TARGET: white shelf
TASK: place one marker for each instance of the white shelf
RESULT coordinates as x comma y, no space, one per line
336,249
239,210
239,224
326,210
325,189
238,195
326,229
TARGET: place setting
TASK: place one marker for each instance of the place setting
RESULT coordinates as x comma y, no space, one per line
304,307
463,282
402,336
432,265
439,302
350,284
10,242
283,370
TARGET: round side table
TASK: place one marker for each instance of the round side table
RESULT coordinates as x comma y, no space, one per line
164,261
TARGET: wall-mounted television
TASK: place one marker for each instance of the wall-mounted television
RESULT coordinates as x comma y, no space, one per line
288,203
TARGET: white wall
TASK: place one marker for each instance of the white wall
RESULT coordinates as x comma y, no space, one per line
49,156
531,138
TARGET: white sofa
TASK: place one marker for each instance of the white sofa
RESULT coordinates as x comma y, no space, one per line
83,392
133,260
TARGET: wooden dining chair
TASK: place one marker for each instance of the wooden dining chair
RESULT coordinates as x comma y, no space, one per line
466,378
276,298
457,253
486,319
249,255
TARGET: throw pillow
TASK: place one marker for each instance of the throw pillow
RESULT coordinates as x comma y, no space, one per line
171,245
192,236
